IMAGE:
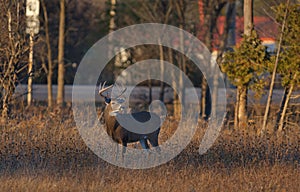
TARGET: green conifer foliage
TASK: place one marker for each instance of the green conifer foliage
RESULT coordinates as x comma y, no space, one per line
245,65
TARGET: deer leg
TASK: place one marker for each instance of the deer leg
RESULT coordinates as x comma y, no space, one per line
154,143
144,144
124,145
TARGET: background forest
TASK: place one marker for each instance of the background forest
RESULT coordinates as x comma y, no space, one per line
254,43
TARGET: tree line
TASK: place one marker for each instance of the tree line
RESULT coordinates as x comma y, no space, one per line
68,30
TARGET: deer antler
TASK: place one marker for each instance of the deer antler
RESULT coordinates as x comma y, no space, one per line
122,92
102,88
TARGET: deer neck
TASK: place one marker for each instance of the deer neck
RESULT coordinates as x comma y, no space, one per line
110,121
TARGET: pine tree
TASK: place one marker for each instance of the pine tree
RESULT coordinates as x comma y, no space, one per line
244,67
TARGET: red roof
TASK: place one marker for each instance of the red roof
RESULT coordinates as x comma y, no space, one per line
265,26
267,29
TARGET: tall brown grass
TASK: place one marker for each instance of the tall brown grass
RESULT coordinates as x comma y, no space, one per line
41,150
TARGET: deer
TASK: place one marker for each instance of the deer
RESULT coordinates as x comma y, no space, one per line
120,134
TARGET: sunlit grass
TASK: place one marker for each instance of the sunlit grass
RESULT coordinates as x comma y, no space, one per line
43,151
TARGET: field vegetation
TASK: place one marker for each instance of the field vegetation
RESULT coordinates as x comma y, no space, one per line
43,151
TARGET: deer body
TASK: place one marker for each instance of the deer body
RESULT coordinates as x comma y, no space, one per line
121,135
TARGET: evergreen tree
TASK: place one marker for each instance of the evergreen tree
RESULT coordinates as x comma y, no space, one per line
245,65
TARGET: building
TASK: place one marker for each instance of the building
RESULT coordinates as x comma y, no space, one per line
266,28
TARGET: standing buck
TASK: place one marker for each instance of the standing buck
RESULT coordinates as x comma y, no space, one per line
120,134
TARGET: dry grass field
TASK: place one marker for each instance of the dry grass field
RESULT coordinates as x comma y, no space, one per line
43,151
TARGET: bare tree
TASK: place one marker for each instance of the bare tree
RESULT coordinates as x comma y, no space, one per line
209,12
61,67
227,39
285,103
263,129
289,56
13,51
156,11
30,69
180,8
48,68
112,27
112,14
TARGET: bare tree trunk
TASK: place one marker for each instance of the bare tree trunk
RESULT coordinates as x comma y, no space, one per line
162,71
208,19
61,68
30,66
242,107
285,93
214,95
180,6
5,107
248,17
49,88
286,103
263,129
49,56
228,39
236,111
176,106
149,89
176,102
6,81
204,98
182,65
204,85
112,13
112,28
207,24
